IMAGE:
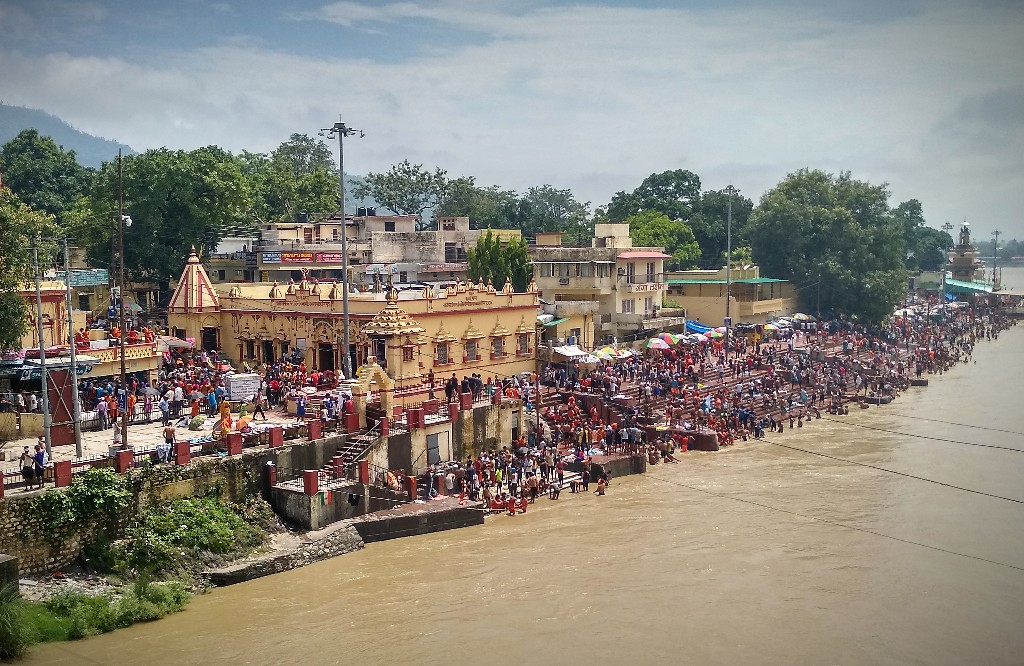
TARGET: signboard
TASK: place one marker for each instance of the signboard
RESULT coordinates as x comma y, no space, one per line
443,268
649,286
301,257
91,277
380,269
296,257
270,257
241,386
328,257
35,372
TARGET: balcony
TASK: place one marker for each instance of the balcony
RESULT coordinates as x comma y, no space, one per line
572,308
603,285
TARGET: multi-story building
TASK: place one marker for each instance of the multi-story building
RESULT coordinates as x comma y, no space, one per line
754,299
608,290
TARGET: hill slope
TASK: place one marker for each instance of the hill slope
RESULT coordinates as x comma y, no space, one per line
91,150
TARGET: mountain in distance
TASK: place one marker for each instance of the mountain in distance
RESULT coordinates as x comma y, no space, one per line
90,150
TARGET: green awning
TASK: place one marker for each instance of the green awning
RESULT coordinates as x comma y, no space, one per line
962,287
556,322
761,280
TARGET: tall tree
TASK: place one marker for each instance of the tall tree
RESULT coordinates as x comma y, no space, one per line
20,227
709,222
299,177
671,193
818,228
652,229
547,208
42,174
406,189
926,247
175,198
484,206
491,260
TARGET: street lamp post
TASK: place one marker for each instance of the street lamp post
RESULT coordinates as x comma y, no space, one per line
76,406
341,130
122,219
731,191
42,347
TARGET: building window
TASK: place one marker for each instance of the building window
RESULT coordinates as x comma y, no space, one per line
497,347
650,271
403,276
83,303
631,273
222,275
524,344
627,306
442,353
250,349
407,354
451,253
472,353
648,304
389,225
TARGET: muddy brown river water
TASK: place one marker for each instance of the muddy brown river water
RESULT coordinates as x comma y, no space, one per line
656,572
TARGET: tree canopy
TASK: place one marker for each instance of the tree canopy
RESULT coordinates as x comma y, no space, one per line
20,226
405,188
671,193
818,228
492,261
299,177
652,229
43,175
926,247
709,223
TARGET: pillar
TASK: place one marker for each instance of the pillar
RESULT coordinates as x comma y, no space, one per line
453,411
351,422
364,471
467,401
275,438
61,474
431,406
124,460
234,443
311,482
385,426
410,482
271,475
496,397
314,428
182,453
338,466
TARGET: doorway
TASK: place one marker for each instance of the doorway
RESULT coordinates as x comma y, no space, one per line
208,337
325,356
268,351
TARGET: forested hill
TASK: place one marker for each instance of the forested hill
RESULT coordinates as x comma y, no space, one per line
90,150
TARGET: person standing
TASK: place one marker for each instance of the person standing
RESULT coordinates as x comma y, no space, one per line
101,412
39,464
165,411
27,464
257,403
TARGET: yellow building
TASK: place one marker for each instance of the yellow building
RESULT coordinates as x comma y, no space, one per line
468,328
755,299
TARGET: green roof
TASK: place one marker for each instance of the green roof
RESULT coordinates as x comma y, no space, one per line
555,322
959,286
761,280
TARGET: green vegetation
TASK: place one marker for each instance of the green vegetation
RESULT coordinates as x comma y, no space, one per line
653,229
98,498
494,261
20,225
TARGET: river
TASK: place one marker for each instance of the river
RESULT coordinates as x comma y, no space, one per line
657,572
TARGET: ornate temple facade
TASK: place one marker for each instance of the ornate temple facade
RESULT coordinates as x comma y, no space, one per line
964,264
463,329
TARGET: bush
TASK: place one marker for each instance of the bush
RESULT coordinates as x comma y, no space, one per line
15,631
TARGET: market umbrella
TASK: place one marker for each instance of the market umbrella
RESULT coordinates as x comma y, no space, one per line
656,343
720,329
149,390
771,327
715,334
800,316
668,337
243,422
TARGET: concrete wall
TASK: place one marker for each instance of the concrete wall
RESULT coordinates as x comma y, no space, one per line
314,512
395,526
486,427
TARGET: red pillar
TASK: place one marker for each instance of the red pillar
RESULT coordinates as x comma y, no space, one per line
411,484
182,453
338,466
364,471
385,426
311,482
496,398
314,428
467,401
453,411
124,460
234,443
271,475
351,422
276,437
62,473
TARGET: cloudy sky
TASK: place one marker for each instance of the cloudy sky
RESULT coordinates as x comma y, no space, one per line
926,95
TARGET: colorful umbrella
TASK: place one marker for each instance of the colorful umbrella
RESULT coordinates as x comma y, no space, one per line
715,334
721,329
656,343
771,327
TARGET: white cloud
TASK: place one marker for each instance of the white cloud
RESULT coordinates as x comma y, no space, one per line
596,98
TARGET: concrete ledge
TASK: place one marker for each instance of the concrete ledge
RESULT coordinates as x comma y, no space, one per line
396,524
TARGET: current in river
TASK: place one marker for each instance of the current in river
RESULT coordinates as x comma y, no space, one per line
756,554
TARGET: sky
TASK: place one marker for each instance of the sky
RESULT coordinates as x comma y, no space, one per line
925,95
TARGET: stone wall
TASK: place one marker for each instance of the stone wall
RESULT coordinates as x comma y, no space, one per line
23,535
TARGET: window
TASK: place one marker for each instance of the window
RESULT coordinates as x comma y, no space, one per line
648,304
627,306
389,225
221,275
250,349
83,302
472,353
630,273
497,347
407,353
442,353
403,276
238,272
524,344
450,253
650,271
546,270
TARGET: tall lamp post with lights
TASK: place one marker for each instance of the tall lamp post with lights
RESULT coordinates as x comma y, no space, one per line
731,191
341,130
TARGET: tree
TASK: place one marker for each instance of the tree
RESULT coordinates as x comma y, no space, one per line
299,177
709,223
653,229
20,227
176,199
406,189
816,228
490,260
43,175
672,193
926,247
548,208
484,206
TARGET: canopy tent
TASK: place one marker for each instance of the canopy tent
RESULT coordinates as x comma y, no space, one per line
694,327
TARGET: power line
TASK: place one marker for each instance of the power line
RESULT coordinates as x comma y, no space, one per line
892,471
965,425
934,439
834,523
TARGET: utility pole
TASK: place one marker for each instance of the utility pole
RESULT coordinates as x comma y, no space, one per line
947,227
730,190
995,259
42,346
76,409
341,130
120,304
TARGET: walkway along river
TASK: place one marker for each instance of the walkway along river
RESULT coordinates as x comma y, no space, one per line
658,572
